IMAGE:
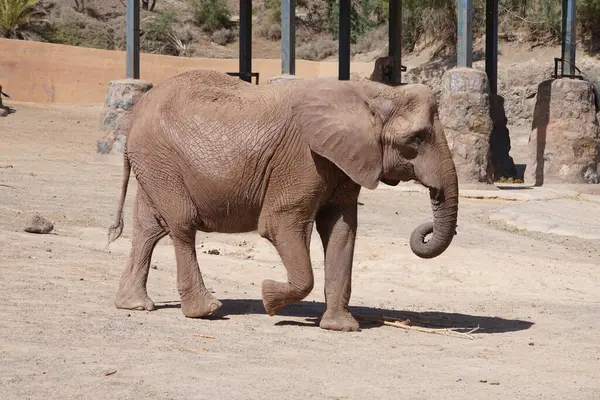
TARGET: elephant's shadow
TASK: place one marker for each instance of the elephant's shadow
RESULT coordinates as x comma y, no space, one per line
312,312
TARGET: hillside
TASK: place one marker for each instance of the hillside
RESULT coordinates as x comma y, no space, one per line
208,28
173,28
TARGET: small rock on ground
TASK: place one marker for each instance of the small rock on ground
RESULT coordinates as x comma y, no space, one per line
39,224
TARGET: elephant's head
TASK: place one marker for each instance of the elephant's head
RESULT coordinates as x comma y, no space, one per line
374,133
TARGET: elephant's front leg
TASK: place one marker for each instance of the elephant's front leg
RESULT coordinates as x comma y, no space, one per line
291,239
336,225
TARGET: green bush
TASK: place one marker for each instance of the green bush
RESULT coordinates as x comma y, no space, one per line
552,14
157,28
273,8
588,14
211,15
360,17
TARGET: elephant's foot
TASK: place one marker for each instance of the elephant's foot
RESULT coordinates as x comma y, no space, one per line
339,320
273,296
134,300
200,305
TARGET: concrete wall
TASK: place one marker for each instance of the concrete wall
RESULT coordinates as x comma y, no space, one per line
50,73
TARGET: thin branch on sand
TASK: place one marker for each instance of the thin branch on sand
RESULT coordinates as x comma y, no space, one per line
405,324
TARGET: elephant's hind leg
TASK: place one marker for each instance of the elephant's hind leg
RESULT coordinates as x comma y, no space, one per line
292,242
196,300
147,232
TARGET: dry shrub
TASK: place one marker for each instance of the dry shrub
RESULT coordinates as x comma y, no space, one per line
185,33
539,20
376,39
76,29
317,50
270,31
223,36
303,35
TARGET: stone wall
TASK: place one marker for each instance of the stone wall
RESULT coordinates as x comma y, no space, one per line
464,109
517,83
564,146
122,95
79,75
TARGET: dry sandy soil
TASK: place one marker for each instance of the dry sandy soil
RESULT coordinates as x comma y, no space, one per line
535,298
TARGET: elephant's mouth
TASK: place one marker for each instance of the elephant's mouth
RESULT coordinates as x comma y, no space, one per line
391,182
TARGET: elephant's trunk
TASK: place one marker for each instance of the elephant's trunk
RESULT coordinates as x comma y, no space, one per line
444,203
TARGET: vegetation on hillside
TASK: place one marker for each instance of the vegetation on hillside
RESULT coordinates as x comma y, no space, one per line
190,27
17,18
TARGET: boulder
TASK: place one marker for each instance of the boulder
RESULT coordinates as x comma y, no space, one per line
38,224
122,95
464,109
382,71
564,145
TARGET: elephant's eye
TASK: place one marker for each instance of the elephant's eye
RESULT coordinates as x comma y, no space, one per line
419,137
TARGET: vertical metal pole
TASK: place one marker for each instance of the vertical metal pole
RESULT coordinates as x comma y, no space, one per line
288,37
344,41
491,44
465,33
245,40
395,39
568,37
563,30
132,37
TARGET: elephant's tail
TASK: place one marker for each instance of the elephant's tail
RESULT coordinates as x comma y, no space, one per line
116,228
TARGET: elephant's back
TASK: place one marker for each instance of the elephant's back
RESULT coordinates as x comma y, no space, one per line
210,89
215,131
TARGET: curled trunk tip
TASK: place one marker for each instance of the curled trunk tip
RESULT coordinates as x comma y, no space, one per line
426,249
418,245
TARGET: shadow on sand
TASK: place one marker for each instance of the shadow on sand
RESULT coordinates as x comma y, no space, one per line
6,110
312,312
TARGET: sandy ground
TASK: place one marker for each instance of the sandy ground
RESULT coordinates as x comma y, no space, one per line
534,296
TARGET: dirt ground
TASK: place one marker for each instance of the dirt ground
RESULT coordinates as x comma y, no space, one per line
535,298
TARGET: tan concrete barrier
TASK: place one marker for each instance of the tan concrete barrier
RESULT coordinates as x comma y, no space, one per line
50,73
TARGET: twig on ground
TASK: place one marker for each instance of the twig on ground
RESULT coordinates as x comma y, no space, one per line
203,336
405,325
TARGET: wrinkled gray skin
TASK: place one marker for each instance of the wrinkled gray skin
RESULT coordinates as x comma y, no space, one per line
215,154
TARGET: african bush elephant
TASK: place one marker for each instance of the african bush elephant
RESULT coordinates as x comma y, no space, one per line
212,153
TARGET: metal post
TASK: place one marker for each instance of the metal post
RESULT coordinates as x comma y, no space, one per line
395,39
491,44
132,38
344,41
568,37
245,40
465,34
288,37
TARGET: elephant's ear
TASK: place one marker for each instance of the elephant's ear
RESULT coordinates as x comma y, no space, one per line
337,122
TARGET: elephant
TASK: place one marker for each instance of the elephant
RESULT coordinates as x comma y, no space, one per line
213,153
